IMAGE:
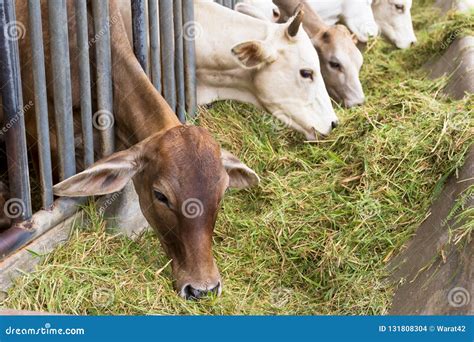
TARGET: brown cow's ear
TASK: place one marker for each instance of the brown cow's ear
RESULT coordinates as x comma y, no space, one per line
104,177
254,53
240,175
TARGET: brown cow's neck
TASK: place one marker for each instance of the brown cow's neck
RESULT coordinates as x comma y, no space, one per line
140,110
312,22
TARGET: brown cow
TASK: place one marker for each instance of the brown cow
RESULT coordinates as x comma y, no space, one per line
179,172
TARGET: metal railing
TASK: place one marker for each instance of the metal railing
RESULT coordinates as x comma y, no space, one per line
163,42
227,3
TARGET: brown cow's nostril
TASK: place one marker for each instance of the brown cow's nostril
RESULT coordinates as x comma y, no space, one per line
192,293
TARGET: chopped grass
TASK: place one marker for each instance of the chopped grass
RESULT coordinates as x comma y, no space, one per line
315,236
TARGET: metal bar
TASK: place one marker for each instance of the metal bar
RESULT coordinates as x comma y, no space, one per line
139,33
41,102
18,207
103,118
84,80
167,51
179,59
154,44
58,28
189,57
227,3
22,233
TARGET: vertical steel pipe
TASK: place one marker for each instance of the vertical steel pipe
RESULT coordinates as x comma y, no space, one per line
58,30
179,59
103,118
84,80
154,44
18,206
41,102
227,3
167,51
189,57
139,33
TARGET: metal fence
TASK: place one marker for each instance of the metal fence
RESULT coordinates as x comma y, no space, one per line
227,3
163,41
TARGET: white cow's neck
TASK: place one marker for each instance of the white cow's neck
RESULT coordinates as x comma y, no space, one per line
231,84
219,74
329,11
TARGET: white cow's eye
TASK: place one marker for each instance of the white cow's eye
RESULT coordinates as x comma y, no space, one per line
335,65
307,73
400,8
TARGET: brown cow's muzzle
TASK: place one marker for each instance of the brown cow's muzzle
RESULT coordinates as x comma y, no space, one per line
197,279
196,289
190,292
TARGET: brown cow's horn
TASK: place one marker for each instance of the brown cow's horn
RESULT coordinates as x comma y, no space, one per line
297,19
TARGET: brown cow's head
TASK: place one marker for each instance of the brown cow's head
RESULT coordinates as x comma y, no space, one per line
341,62
180,177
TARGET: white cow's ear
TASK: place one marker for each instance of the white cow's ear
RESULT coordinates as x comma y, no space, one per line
254,53
240,175
104,177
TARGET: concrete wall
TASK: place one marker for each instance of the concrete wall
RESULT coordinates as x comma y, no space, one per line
435,276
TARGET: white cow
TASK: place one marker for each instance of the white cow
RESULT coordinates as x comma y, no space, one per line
394,20
357,15
273,66
340,59
266,8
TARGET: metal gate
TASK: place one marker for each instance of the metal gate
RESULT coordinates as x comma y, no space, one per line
163,42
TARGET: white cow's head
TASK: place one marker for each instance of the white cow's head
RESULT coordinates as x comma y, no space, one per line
394,20
266,8
287,78
359,18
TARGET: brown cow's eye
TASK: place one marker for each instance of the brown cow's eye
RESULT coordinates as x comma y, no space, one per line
400,8
162,198
335,65
306,73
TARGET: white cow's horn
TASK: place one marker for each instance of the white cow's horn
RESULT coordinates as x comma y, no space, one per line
297,19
